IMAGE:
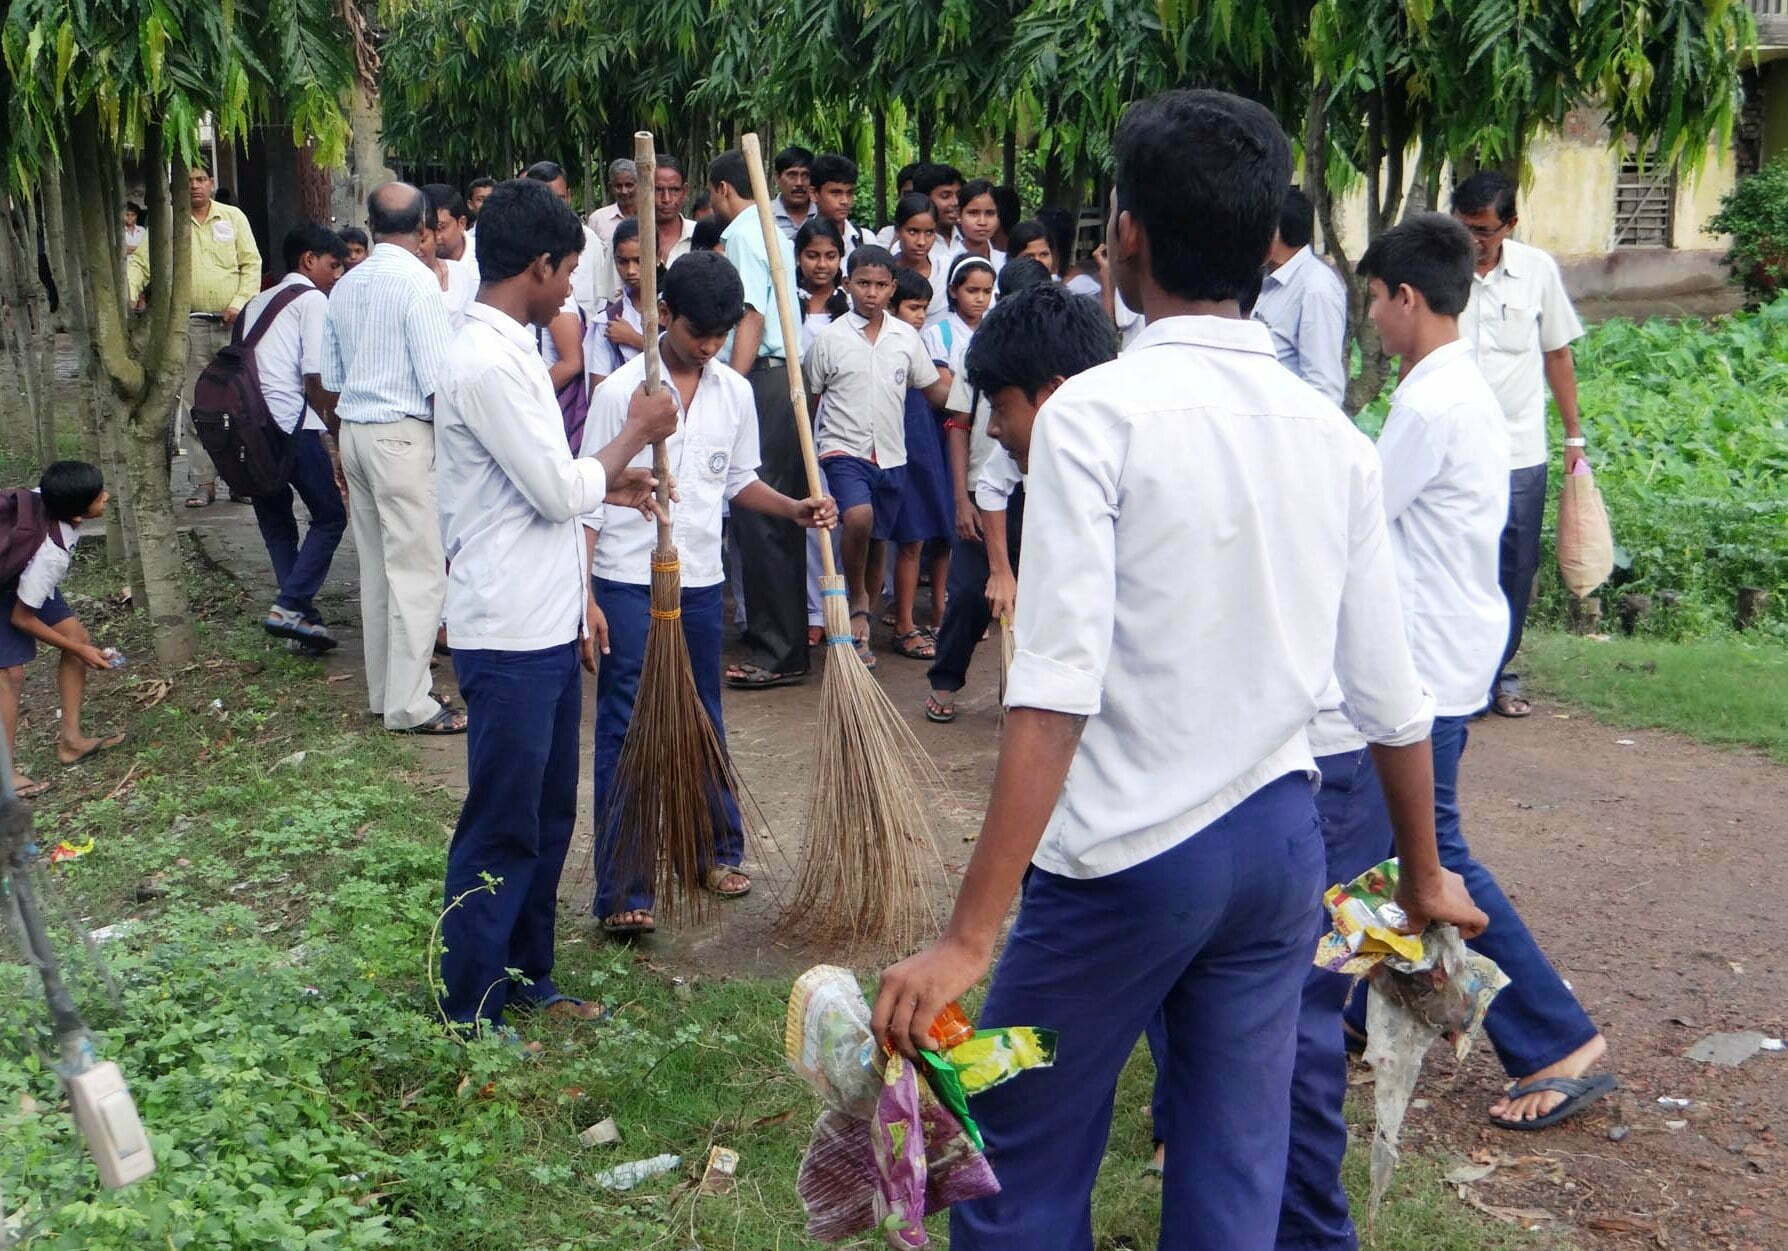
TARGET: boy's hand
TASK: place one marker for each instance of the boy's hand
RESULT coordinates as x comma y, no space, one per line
634,489
914,991
1002,595
595,633
654,414
622,334
1442,900
91,656
818,513
968,520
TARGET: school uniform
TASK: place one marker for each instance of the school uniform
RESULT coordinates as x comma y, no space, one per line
510,499
606,284
713,456
861,422
1183,856
291,348
39,589
459,293
811,325
602,356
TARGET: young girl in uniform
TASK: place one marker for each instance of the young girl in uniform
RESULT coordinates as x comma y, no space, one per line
926,520
978,220
915,231
819,265
1031,238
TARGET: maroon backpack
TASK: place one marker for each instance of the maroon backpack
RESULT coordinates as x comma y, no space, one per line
24,525
252,454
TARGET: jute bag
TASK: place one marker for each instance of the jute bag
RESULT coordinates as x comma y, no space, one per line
1585,543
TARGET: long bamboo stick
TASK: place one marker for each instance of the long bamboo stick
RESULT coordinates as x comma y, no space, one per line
645,157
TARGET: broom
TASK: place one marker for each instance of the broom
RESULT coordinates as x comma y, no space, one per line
674,773
865,879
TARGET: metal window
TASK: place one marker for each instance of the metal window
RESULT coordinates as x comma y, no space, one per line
1645,205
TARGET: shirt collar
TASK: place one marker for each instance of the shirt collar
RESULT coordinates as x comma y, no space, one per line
1227,334
296,279
1511,251
1286,272
860,323
1439,358
505,325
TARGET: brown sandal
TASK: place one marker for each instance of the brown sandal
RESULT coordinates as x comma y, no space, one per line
446,721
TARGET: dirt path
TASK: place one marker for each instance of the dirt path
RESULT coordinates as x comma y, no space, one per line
1652,869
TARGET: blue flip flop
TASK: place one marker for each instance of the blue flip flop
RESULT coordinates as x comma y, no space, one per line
1579,1093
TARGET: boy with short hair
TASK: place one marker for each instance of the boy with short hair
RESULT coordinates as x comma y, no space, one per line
713,456
613,338
858,370
834,182
1154,777
358,245
32,610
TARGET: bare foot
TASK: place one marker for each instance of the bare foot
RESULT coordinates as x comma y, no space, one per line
732,884
1528,1107
74,750
1160,1156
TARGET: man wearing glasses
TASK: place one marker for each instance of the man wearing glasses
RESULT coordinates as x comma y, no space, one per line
1521,323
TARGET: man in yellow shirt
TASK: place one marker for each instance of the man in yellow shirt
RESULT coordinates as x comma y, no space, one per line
226,275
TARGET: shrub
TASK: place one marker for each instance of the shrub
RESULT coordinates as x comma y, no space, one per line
1755,214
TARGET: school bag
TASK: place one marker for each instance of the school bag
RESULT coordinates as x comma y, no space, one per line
252,454
24,525
574,396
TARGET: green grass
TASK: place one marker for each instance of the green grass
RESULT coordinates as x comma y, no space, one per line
1723,689
275,1023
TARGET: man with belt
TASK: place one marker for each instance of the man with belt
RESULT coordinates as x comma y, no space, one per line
1521,325
384,351
772,551
226,275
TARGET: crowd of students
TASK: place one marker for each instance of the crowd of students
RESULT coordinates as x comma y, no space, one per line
1248,643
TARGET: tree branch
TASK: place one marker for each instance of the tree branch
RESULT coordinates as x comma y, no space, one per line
165,360
110,337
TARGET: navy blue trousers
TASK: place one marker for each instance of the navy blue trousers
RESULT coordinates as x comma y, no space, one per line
629,611
1520,558
300,569
1213,933
525,710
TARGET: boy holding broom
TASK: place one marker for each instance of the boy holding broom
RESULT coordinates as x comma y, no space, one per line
1177,866
858,370
713,457
510,496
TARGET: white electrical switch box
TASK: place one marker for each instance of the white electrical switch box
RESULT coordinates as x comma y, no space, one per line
108,1119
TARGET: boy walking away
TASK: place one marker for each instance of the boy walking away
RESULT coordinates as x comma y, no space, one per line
859,369
1181,850
713,457
926,519
38,531
289,364
517,602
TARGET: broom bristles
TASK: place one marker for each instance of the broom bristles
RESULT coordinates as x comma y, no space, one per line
865,880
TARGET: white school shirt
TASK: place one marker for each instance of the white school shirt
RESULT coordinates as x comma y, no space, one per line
995,257
607,284
385,338
1205,545
291,348
713,456
1084,284
811,325
862,386
1304,304
587,278
1518,312
459,293
1000,476
602,357
1130,323
48,565
510,493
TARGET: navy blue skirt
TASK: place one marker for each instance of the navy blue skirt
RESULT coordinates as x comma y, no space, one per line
927,502
17,647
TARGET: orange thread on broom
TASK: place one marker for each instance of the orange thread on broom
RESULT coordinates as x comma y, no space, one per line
668,566
672,615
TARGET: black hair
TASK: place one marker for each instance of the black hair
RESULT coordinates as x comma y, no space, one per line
136,208
832,168
1486,189
1060,224
351,235
667,161
69,488
792,157
707,235
961,267
704,289
1030,337
395,209
869,254
1026,233
1006,200
929,178
477,183
702,200
1431,253
910,285
729,168
977,187
625,229
1297,219
1204,174
521,220
310,237
1020,274
441,196
224,195
546,171
812,229
911,205
907,173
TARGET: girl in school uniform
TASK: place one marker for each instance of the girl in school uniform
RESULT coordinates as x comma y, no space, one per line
1030,238
616,333
926,519
819,266
979,220
915,231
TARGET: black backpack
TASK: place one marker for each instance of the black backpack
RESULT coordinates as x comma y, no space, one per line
24,525
252,454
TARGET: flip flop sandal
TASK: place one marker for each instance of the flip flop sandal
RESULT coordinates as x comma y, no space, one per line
719,873
31,790
471,1031
105,742
940,711
446,721
628,929
757,678
924,649
862,644
1504,705
567,1007
1579,1093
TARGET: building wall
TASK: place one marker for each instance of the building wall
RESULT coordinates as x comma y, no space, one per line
1774,79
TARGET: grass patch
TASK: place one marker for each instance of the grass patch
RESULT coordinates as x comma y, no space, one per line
274,1022
1722,689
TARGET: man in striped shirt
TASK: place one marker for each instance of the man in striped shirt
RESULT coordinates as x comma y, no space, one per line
384,349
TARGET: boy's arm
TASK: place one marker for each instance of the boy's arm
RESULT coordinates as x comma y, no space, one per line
26,621
1411,451
759,496
595,621
322,402
923,373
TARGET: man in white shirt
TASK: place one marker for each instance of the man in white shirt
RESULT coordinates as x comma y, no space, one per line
517,604
793,204
1304,302
385,343
623,189
1154,775
593,269
289,363
457,277
713,456
1521,324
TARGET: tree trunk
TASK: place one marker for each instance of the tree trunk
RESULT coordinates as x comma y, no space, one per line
1364,388
1009,156
30,338
881,167
924,118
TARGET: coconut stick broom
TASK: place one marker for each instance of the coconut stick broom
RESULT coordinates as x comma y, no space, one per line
674,775
865,879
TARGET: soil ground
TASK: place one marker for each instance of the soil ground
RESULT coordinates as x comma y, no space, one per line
1650,867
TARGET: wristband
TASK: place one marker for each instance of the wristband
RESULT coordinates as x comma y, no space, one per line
1577,441
953,424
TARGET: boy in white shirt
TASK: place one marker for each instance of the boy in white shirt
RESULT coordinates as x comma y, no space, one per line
289,364
1205,545
510,498
713,457
858,370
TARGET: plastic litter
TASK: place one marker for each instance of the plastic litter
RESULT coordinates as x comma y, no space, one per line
602,1134
721,1175
1728,1050
627,1176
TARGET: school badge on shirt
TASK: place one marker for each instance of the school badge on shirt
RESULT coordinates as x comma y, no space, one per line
900,376
716,464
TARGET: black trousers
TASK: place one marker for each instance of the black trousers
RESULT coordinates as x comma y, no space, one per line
773,552
966,615
1520,556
